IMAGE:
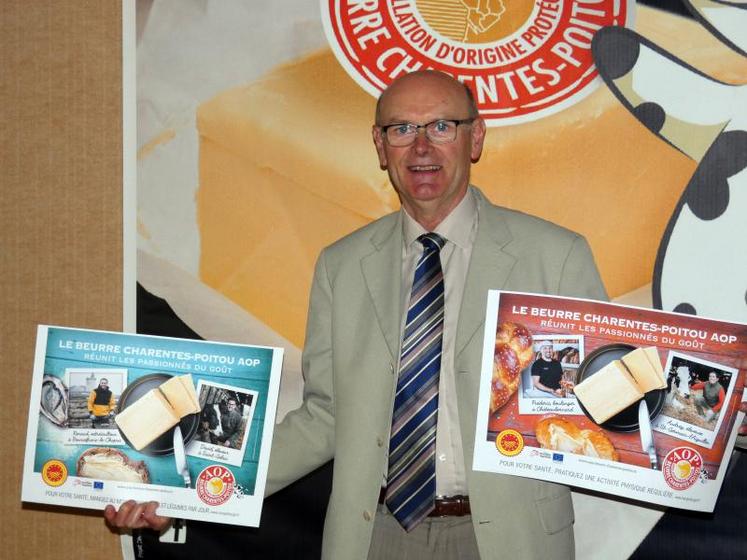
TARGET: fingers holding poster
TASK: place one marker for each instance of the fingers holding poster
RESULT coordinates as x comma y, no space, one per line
573,399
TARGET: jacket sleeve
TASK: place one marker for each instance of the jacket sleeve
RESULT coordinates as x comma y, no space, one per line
304,440
89,402
580,276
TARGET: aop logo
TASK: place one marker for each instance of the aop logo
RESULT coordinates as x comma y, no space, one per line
523,59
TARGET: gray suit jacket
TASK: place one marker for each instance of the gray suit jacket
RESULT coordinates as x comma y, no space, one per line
349,364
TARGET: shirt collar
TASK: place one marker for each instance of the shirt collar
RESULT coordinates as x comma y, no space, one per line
458,227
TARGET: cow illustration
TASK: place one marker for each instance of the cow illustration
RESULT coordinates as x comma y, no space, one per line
701,264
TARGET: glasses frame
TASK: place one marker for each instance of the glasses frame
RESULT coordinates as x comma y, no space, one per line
424,127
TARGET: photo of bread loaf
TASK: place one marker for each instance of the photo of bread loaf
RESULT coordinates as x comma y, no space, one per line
105,463
513,353
559,434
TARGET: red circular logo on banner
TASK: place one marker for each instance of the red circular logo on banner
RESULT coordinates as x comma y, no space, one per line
523,59
681,468
215,485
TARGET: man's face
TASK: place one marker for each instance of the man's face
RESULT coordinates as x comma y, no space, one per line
546,351
712,377
429,178
104,384
231,405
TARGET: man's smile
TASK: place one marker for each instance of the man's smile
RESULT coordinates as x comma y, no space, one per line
424,168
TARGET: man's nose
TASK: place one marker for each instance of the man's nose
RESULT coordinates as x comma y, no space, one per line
421,143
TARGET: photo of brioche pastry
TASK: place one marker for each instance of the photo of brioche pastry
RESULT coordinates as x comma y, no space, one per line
105,463
559,434
513,352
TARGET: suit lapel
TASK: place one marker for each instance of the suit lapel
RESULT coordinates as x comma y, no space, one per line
382,272
489,269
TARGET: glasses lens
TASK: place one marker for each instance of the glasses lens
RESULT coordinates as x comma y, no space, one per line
401,134
441,131
438,132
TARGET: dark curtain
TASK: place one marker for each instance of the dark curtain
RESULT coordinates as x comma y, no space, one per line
292,519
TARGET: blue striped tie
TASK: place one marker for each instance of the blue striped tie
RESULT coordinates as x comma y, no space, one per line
411,479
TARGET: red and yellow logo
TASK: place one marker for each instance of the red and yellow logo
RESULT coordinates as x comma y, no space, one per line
509,442
215,485
523,59
681,468
54,473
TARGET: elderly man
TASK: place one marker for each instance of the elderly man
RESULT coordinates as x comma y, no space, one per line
393,346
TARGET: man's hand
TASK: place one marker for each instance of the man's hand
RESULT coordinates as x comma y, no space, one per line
92,416
134,515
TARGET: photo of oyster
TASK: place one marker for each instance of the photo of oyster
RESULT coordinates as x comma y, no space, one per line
54,400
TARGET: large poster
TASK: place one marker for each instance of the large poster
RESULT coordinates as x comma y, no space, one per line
626,401
119,416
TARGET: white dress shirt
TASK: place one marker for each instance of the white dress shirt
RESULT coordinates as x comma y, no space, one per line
459,229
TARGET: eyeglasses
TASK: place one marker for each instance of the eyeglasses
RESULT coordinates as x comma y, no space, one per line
441,131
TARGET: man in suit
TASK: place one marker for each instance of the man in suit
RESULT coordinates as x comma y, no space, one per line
427,135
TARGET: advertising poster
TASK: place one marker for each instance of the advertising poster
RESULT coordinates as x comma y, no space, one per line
116,416
631,402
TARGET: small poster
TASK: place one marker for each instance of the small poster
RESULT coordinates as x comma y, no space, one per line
633,402
116,416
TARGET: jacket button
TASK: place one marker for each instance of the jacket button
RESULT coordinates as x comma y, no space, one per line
391,367
380,441
367,515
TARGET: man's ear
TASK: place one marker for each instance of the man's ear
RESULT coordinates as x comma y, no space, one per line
477,137
378,140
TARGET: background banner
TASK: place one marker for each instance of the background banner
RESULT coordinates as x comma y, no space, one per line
254,152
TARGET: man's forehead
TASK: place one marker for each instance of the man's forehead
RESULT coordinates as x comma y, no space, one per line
422,89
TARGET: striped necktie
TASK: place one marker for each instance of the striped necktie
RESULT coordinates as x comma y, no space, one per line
411,479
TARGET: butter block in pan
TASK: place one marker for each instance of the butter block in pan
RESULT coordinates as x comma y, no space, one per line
638,363
146,419
180,392
608,391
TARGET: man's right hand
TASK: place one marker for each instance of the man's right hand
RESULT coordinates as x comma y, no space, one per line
134,515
